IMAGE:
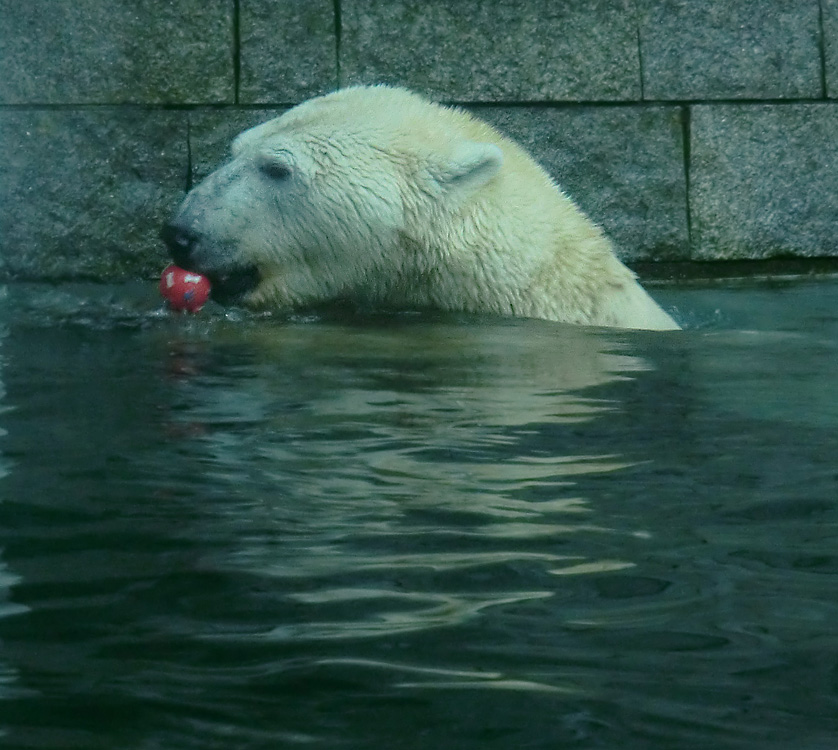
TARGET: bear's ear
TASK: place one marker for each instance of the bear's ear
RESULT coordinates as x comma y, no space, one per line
470,166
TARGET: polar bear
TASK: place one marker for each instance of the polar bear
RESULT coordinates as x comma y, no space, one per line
377,196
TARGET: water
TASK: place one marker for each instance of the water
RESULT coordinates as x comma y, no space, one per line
418,531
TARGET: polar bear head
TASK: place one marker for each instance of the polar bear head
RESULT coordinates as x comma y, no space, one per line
363,194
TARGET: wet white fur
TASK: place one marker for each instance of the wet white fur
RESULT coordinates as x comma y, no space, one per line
376,195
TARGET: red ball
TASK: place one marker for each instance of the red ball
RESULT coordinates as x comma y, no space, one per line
184,290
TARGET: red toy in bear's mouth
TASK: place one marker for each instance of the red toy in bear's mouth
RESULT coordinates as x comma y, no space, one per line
230,283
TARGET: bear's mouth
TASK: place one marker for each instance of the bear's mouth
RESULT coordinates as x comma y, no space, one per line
231,286
231,283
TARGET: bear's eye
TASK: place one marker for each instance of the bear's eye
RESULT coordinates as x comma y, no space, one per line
276,170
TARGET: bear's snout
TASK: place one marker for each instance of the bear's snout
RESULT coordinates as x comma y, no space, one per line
231,282
180,242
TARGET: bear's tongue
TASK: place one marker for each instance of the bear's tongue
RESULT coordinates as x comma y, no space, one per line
230,287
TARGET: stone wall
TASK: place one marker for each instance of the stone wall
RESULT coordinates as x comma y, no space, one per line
691,131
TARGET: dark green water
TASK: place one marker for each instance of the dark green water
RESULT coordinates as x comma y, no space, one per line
418,531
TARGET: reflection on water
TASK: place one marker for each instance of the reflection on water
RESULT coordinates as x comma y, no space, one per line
416,530
376,452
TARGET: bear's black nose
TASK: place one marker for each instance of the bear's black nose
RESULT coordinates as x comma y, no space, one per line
180,242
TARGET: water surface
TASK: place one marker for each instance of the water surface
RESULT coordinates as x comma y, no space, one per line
418,531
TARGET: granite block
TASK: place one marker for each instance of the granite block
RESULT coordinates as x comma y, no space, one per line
288,50
84,193
764,181
830,43
116,51
623,166
731,49
509,50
